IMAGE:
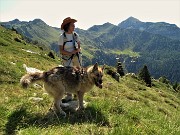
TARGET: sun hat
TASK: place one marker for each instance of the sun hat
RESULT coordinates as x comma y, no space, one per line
66,21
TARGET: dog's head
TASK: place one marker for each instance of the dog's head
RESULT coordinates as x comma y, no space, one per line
97,74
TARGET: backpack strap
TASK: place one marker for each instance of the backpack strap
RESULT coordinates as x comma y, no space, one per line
75,40
65,39
75,36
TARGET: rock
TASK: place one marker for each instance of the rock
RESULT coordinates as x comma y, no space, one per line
31,70
36,99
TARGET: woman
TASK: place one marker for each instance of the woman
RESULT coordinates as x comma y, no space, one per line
70,44
70,47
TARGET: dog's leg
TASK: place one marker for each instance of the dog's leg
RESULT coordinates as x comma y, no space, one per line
57,103
80,100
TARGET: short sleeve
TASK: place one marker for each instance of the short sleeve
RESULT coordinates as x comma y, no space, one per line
61,40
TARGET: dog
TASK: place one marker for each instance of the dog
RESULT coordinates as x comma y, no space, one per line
59,80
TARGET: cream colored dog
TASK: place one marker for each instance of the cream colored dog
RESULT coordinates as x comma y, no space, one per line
59,80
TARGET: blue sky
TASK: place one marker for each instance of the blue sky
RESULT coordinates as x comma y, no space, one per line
91,12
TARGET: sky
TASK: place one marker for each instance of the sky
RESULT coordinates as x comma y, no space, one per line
90,12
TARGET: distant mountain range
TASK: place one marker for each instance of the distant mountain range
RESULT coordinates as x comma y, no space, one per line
136,43
161,28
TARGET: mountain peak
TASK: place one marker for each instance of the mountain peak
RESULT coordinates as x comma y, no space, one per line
15,21
132,19
107,24
131,22
35,21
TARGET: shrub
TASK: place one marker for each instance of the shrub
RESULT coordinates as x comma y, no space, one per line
163,79
120,69
145,76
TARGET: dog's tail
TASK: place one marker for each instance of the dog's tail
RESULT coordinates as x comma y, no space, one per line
27,79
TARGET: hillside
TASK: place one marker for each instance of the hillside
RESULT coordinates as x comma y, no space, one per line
41,33
15,52
136,48
136,43
125,107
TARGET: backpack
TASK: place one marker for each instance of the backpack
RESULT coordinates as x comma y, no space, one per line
66,40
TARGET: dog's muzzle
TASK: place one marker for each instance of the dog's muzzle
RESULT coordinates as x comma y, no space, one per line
98,83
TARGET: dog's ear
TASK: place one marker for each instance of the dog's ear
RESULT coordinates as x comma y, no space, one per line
95,67
103,67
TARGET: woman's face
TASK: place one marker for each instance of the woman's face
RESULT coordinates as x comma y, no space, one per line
71,27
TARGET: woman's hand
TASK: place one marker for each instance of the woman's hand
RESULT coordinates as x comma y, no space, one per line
76,51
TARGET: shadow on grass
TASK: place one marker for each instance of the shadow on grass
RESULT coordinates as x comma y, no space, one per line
21,118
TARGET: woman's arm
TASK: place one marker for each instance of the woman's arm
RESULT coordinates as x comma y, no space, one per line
79,45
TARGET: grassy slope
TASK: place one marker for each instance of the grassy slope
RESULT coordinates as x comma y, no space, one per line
127,107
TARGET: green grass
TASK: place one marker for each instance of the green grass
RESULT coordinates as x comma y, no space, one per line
109,111
128,52
127,107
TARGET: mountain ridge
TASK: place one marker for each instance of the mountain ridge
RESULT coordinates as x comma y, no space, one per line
161,28
103,43
36,30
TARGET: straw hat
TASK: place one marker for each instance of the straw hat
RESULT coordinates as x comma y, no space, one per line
67,20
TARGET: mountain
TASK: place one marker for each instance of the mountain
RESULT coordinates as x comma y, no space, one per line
36,30
127,107
161,28
160,53
128,41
